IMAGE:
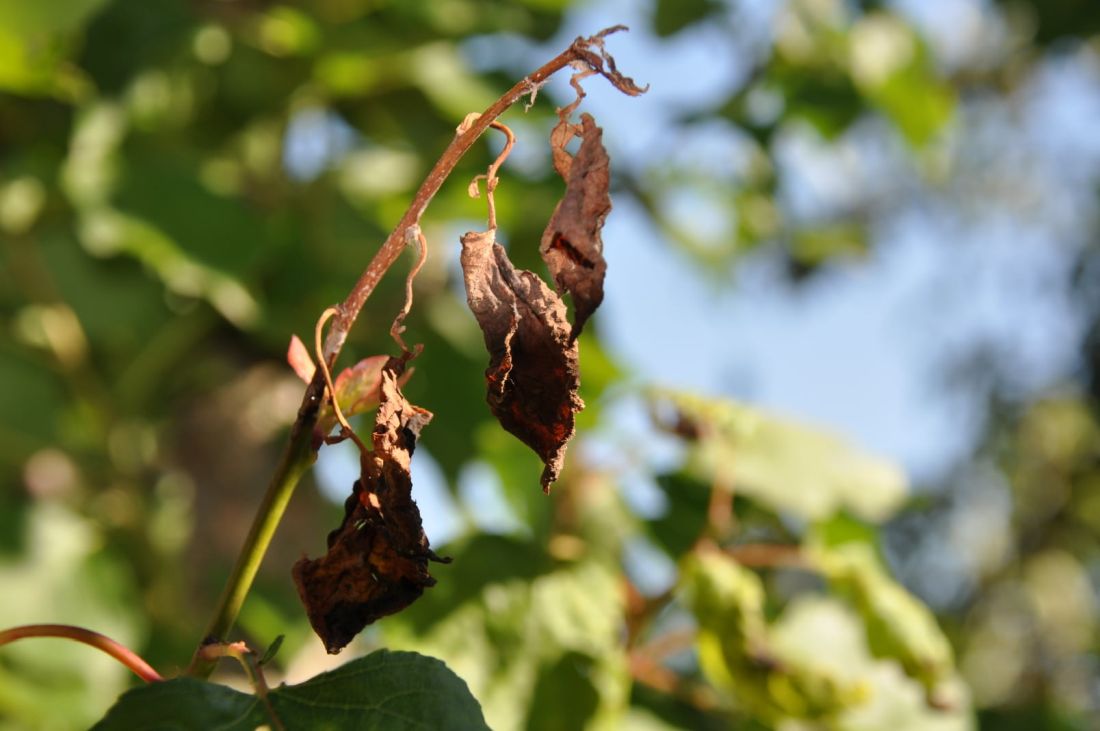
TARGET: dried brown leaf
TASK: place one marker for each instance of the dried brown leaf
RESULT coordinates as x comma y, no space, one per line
533,373
571,245
377,560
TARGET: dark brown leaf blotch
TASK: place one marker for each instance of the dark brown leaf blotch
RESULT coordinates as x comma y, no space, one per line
377,560
571,245
533,375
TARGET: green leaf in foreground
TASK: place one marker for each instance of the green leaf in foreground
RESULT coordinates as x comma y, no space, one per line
385,690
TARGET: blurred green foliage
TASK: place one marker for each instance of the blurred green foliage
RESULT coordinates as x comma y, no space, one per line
183,185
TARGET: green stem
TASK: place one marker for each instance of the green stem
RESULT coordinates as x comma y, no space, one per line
297,458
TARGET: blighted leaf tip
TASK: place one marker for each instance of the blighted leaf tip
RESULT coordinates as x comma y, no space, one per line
603,63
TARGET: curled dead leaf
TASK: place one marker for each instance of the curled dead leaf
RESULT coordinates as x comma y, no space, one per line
533,373
377,560
571,245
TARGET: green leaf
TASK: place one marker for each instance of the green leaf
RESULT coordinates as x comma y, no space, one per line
564,696
823,646
894,71
385,690
728,603
525,644
271,651
898,625
672,16
816,662
784,466
683,522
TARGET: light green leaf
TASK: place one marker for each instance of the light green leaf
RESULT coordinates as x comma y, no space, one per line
898,625
105,231
893,70
824,646
524,644
49,683
783,465
385,690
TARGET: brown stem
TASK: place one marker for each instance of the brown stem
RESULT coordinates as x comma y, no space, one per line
120,652
580,51
300,451
768,555
490,176
648,671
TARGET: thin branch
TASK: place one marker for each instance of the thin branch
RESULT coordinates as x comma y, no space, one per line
299,453
648,671
253,670
118,651
769,555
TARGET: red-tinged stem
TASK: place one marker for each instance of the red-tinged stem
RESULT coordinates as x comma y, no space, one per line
123,654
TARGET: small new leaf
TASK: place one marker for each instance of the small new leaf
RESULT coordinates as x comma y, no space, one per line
271,651
533,374
297,355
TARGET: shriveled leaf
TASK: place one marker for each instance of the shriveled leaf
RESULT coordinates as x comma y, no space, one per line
385,690
571,245
782,465
297,355
377,560
533,372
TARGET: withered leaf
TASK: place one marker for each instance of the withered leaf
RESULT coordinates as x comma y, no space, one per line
377,560
571,245
533,373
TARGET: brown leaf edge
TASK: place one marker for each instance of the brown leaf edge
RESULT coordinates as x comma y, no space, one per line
571,245
533,373
377,560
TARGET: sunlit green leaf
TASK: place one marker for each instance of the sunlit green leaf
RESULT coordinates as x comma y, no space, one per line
518,642
898,625
785,466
